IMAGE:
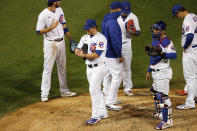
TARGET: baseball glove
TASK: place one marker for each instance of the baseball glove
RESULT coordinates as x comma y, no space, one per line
85,49
130,27
153,50
73,45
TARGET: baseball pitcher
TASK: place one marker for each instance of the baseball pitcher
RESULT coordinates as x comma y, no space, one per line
96,68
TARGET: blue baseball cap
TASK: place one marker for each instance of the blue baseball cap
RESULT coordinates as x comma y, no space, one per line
125,7
89,24
115,5
175,9
52,0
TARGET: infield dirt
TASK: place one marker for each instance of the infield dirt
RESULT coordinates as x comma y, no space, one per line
70,114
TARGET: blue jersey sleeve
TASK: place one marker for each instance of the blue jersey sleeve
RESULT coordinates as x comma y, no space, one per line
116,37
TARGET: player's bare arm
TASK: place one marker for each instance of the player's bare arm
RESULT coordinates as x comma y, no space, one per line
68,35
46,30
89,56
148,76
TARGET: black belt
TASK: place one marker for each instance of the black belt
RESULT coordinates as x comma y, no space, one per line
58,39
194,46
92,65
154,70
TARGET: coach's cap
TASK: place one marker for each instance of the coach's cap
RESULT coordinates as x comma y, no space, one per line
175,9
89,24
125,7
52,0
115,5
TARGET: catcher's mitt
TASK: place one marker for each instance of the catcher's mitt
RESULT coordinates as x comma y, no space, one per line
130,27
153,50
73,45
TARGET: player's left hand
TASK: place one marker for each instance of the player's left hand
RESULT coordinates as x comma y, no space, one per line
121,59
80,53
148,76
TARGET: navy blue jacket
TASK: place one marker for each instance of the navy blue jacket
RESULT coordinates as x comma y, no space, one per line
111,30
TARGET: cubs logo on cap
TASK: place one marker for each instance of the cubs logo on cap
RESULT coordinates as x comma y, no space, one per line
93,47
101,44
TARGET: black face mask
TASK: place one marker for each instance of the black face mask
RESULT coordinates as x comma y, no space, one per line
124,16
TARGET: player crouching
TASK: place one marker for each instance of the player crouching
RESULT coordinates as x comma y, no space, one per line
160,51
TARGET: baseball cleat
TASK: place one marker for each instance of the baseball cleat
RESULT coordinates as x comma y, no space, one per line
158,115
117,101
92,121
162,125
182,93
44,99
68,94
103,116
128,93
113,107
184,107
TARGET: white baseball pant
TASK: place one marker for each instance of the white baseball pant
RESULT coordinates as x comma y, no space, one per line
95,76
161,81
127,73
54,51
112,80
190,74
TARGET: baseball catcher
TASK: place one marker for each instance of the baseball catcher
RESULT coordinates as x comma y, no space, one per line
161,51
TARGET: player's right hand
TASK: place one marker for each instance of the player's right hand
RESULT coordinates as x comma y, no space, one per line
55,24
148,76
121,59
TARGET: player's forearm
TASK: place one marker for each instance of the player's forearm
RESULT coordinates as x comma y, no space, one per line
68,35
170,55
46,30
189,39
91,56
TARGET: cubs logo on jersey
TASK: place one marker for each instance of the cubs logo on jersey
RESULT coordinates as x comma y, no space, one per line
172,47
93,47
187,28
101,44
61,19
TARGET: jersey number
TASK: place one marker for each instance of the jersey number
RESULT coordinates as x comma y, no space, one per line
195,18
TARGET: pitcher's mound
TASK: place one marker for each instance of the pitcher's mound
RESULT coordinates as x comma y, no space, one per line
70,114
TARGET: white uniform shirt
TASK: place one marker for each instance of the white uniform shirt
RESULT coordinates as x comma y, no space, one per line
45,19
97,42
164,63
189,26
125,36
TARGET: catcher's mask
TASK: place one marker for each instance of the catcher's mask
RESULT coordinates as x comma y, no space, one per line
159,27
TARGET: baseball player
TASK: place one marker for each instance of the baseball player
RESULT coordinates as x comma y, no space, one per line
161,73
134,29
189,45
52,24
114,59
96,68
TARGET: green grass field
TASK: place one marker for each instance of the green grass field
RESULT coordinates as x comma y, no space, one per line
22,50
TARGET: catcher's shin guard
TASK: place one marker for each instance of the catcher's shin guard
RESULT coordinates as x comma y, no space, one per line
165,105
157,108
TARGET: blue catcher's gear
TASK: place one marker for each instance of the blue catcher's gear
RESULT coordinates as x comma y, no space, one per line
158,26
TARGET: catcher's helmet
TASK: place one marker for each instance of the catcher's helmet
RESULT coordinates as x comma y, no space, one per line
159,26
